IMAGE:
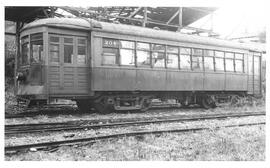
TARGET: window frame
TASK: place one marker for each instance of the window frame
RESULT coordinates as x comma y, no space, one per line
25,40
143,50
55,51
172,53
239,59
158,52
231,59
77,48
197,55
117,55
219,57
180,58
63,44
130,49
209,56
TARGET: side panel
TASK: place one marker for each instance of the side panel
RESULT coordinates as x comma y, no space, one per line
131,79
151,80
214,81
236,82
106,79
184,80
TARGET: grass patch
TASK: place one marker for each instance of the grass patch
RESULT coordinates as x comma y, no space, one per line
239,143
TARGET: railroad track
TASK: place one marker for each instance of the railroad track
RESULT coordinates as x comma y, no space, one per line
68,110
54,145
95,124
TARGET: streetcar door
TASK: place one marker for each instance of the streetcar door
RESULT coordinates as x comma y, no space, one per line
68,73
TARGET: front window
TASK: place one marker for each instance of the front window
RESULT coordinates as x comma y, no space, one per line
68,50
37,54
24,60
81,56
54,49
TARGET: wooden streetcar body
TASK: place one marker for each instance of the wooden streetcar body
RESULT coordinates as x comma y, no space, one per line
86,61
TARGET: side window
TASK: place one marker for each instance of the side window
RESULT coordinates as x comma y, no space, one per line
143,54
239,62
172,57
110,54
185,54
81,56
36,48
24,60
68,50
229,62
158,55
127,53
209,60
219,61
197,63
54,49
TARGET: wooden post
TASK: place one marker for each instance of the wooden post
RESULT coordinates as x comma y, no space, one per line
145,16
212,22
180,18
17,56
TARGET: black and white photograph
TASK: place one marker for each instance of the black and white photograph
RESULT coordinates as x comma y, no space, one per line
134,83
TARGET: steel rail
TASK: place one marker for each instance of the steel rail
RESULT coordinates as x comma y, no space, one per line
44,145
35,128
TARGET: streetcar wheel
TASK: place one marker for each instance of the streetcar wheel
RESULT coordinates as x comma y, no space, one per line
102,108
208,102
84,106
146,105
235,100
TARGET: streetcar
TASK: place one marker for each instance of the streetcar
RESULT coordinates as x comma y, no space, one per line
116,67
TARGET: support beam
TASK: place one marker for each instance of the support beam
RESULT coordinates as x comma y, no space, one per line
52,14
180,18
135,12
121,11
212,21
199,9
45,13
171,19
145,17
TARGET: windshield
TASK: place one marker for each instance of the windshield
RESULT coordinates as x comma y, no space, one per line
32,50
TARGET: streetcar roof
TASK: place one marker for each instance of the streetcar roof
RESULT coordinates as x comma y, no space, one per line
90,24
